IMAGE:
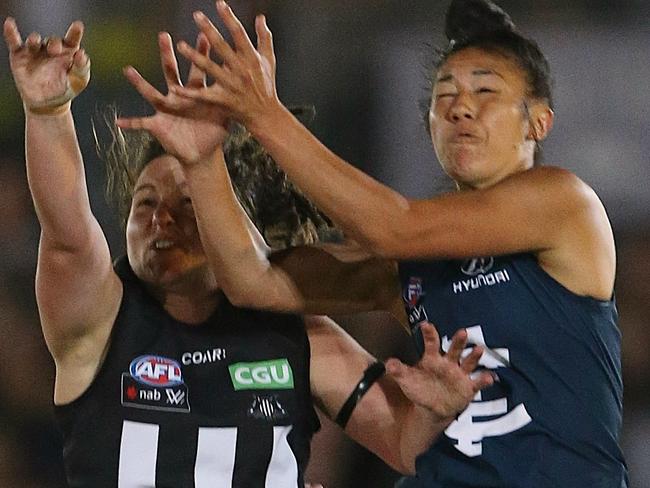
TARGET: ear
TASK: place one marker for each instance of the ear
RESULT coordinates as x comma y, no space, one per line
541,121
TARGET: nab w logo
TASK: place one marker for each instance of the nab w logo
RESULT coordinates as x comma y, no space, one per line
175,397
417,315
264,375
471,426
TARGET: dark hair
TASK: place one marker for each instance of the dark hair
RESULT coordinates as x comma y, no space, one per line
282,213
484,25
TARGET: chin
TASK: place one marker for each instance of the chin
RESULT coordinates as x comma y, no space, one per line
161,271
465,167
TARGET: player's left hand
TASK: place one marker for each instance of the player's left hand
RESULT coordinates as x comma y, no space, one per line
442,383
189,130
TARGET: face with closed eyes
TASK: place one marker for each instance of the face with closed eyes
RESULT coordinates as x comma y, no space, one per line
483,126
162,237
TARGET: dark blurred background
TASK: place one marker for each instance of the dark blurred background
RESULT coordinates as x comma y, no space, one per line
364,65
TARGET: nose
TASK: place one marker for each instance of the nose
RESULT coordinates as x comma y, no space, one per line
162,216
462,108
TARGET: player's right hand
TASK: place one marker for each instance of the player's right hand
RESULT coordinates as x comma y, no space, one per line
48,73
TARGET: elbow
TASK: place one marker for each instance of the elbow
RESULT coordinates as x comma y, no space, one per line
402,463
407,468
406,463
398,461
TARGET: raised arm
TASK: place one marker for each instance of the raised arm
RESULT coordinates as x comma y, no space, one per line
302,279
331,279
403,412
76,288
547,211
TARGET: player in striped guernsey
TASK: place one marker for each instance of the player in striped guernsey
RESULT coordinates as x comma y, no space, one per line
134,411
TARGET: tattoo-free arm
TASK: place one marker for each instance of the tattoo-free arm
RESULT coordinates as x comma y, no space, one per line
404,411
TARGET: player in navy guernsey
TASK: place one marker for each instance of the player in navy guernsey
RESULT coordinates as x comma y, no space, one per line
521,257
160,380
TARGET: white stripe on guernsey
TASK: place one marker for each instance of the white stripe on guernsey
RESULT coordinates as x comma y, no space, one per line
215,457
283,468
138,453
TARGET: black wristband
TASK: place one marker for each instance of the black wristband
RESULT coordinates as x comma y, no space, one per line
370,375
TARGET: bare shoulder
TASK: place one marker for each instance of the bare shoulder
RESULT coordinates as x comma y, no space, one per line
585,237
572,196
565,185
557,193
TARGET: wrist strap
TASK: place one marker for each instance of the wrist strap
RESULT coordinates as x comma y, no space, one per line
370,376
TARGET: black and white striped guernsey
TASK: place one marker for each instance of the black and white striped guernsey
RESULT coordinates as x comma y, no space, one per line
226,403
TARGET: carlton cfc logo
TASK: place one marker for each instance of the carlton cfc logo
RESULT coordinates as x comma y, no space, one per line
156,371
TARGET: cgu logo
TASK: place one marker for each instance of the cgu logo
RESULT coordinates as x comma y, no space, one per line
274,374
156,371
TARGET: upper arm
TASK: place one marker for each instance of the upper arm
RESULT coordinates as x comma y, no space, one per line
78,294
546,211
522,213
337,365
528,211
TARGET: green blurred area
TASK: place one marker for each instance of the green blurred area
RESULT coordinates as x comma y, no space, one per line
112,44
11,116
118,42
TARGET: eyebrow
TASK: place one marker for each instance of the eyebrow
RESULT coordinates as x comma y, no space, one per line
145,186
476,72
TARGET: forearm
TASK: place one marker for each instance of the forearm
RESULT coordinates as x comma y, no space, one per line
235,249
387,423
365,209
419,429
56,179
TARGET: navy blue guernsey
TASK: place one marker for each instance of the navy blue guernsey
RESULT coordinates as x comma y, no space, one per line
553,416
225,403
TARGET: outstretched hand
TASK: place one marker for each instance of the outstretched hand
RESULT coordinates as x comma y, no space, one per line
245,83
188,129
48,72
444,384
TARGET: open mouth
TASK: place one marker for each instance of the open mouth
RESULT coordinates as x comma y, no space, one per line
162,244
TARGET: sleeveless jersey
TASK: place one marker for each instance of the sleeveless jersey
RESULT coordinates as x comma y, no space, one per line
553,416
226,403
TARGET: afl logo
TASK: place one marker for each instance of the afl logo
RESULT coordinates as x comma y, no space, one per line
476,266
156,371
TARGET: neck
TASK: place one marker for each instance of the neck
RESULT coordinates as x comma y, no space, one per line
192,300
191,308
520,166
